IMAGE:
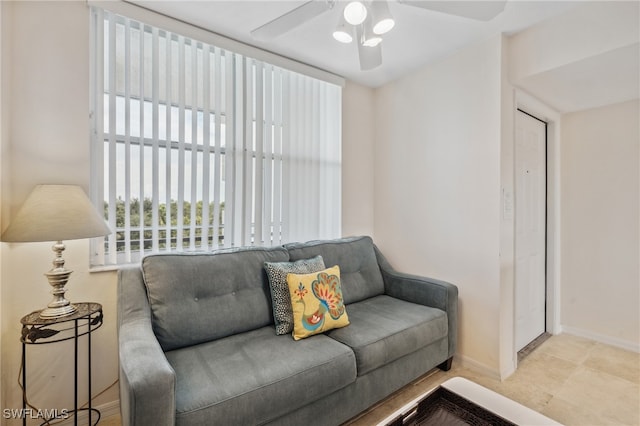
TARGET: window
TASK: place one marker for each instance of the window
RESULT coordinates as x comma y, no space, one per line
195,147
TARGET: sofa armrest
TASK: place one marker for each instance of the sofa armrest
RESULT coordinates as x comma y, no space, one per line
425,291
147,380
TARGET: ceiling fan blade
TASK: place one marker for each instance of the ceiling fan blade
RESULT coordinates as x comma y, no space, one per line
481,10
291,20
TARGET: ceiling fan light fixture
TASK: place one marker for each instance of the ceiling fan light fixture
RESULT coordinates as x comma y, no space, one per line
355,13
342,36
384,26
372,42
383,22
369,39
369,57
342,33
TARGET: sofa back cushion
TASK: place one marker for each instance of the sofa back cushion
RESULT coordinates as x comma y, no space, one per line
200,297
359,272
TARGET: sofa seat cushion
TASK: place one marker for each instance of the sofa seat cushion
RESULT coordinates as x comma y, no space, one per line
256,376
384,329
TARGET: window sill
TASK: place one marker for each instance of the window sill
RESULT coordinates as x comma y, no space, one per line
110,268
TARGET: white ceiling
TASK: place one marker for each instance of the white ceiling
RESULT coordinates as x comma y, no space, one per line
422,36
419,37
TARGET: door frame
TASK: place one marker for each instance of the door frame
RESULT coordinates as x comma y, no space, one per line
535,107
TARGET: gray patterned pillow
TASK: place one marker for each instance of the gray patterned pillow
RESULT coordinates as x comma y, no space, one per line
280,299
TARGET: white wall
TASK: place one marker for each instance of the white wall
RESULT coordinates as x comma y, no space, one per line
507,354
600,224
47,105
47,96
438,185
358,131
558,59
2,144
579,33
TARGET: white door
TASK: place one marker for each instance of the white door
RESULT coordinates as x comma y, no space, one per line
530,223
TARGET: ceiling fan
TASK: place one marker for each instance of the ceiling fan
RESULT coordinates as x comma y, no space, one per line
369,20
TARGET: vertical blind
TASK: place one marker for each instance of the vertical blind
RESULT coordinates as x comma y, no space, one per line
195,147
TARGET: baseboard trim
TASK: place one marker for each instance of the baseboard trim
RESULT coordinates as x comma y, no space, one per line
106,410
601,338
478,367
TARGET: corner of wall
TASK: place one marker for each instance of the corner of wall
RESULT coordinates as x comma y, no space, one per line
3,28
358,133
507,355
5,92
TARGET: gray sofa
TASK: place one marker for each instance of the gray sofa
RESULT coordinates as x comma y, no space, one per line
197,344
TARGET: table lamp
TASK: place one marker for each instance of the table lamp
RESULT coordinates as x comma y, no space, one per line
56,213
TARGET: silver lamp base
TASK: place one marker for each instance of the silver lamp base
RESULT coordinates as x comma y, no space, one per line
58,312
58,277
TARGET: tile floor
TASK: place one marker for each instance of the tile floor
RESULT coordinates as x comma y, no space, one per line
572,380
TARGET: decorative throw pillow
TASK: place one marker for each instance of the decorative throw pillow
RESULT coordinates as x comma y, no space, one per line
317,302
280,299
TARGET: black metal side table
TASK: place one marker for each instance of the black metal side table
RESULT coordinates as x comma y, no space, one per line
42,331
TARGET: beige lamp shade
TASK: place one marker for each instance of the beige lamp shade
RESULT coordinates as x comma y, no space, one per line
56,213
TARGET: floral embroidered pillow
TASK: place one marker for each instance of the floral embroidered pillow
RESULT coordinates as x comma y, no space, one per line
317,302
